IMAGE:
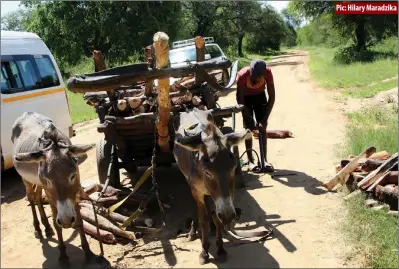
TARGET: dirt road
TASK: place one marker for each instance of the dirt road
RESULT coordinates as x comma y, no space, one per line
305,218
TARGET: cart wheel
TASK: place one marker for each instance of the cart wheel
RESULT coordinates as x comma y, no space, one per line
239,177
103,153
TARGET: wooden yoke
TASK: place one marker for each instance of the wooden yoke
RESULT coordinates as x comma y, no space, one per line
200,54
161,47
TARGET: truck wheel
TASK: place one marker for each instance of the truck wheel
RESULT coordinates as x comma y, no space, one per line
103,154
239,177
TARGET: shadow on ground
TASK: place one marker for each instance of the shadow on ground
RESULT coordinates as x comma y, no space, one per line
175,192
75,254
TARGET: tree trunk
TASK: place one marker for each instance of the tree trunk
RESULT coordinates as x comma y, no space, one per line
200,55
240,38
162,58
360,32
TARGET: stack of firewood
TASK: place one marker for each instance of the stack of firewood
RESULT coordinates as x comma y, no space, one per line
109,223
371,172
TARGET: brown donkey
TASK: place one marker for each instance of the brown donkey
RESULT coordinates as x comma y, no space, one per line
203,155
46,159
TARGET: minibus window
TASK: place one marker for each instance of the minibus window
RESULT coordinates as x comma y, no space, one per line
28,74
5,84
47,72
10,74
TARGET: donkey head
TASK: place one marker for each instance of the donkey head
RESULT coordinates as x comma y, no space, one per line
216,164
59,174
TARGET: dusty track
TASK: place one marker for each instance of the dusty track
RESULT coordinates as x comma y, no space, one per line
305,218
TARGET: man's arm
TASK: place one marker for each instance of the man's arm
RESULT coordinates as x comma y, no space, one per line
272,97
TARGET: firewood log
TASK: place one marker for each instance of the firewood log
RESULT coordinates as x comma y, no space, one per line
121,105
352,194
374,175
389,177
278,134
389,190
103,223
134,102
343,175
105,236
371,164
182,99
196,100
382,155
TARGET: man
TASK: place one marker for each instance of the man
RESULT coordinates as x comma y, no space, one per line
252,81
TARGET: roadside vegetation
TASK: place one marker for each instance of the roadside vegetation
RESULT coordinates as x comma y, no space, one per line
358,56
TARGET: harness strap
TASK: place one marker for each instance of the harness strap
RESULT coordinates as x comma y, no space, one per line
143,178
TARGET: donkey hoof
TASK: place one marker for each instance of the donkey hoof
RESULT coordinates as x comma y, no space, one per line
203,258
191,237
221,255
38,234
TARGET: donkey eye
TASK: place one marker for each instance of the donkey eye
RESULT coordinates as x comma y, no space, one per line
208,174
72,178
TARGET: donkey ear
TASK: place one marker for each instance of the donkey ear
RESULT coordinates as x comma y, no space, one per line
236,138
192,143
31,157
77,150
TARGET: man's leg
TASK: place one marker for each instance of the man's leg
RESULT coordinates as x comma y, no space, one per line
260,111
248,122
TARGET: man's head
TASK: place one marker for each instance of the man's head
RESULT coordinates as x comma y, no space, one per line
257,68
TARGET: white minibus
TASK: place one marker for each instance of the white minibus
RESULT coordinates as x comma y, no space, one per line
30,81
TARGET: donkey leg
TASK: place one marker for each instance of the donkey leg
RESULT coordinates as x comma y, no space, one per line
63,259
38,198
204,223
79,226
221,252
30,193
193,230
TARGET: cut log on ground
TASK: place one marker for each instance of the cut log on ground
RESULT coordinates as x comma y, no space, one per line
343,175
352,195
374,175
278,134
371,164
393,213
105,224
382,155
389,177
388,191
105,236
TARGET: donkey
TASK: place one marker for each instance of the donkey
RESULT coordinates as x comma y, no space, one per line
46,159
203,155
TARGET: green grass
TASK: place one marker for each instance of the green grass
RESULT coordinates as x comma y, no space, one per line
331,76
80,111
372,90
376,127
374,234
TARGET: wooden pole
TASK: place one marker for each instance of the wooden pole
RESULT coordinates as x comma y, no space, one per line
200,54
161,47
99,61
149,85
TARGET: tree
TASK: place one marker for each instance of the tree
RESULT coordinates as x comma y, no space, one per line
118,29
360,28
16,20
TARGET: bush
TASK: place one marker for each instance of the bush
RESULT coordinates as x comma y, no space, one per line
350,55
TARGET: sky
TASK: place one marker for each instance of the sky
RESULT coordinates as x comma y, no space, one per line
9,6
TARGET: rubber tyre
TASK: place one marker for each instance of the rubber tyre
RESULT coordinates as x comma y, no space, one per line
103,155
